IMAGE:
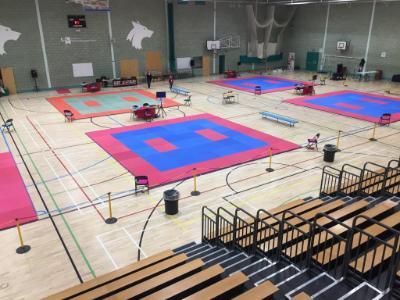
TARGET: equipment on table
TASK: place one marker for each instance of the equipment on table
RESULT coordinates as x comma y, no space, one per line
141,184
8,125
384,120
278,118
329,152
69,116
147,113
305,90
91,87
230,74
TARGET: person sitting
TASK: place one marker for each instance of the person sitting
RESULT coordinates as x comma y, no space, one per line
313,142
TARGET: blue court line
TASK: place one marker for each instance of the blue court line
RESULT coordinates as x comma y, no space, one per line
5,140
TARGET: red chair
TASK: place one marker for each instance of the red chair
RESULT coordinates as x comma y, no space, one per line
91,87
385,119
141,184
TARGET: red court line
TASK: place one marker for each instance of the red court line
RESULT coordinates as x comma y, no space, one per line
66,169
137,165
60,104
15,201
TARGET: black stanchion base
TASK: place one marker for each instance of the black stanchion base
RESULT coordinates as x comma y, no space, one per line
23,249
111,220
373,139
269,170
195,193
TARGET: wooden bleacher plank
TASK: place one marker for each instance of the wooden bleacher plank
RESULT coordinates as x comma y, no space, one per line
187,283
220,288
153,270
339,229
327,207
286,206
301,296
297,210
337,250
263,291
374,257
112,275
160,280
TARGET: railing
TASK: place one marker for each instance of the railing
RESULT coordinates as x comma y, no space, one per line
372,179
326,248
350,179
330,181
225,227
294,238
267,227
375,259
208,225
244,224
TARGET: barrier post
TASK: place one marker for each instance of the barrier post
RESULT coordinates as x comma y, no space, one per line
195,192
338,140
373,139
269,169
110,219
22,248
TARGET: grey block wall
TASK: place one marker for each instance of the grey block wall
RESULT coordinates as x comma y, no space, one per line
348,22
25,53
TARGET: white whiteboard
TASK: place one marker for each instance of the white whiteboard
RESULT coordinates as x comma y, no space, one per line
82,70
183,63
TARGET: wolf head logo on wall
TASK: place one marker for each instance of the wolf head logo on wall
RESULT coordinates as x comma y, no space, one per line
6,34
137,34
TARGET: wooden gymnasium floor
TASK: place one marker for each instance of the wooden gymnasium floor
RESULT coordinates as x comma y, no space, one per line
78,174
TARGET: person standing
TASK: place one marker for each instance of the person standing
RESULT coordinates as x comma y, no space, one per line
149,78
171,81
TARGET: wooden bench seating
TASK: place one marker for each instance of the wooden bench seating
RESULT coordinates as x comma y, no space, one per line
337,250
136,277
161,280
374,257
338,229
301,296
106,278
177,289
263,291
221,287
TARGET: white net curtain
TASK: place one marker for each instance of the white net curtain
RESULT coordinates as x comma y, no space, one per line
265,36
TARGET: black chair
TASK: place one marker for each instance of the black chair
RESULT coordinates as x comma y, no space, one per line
8,125
69,116
141,184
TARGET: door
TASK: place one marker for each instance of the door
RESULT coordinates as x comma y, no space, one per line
221,63
312,61
7,75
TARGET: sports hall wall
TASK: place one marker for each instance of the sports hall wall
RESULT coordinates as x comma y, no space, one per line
193,25
348,22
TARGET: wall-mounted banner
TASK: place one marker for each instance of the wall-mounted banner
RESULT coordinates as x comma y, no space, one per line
92,5
137,34
6,34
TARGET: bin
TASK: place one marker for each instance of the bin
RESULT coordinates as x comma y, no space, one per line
171,198
329,152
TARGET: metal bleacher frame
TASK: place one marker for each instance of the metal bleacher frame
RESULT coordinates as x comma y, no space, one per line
275,239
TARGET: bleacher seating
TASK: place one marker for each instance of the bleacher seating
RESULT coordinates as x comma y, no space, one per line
335,246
